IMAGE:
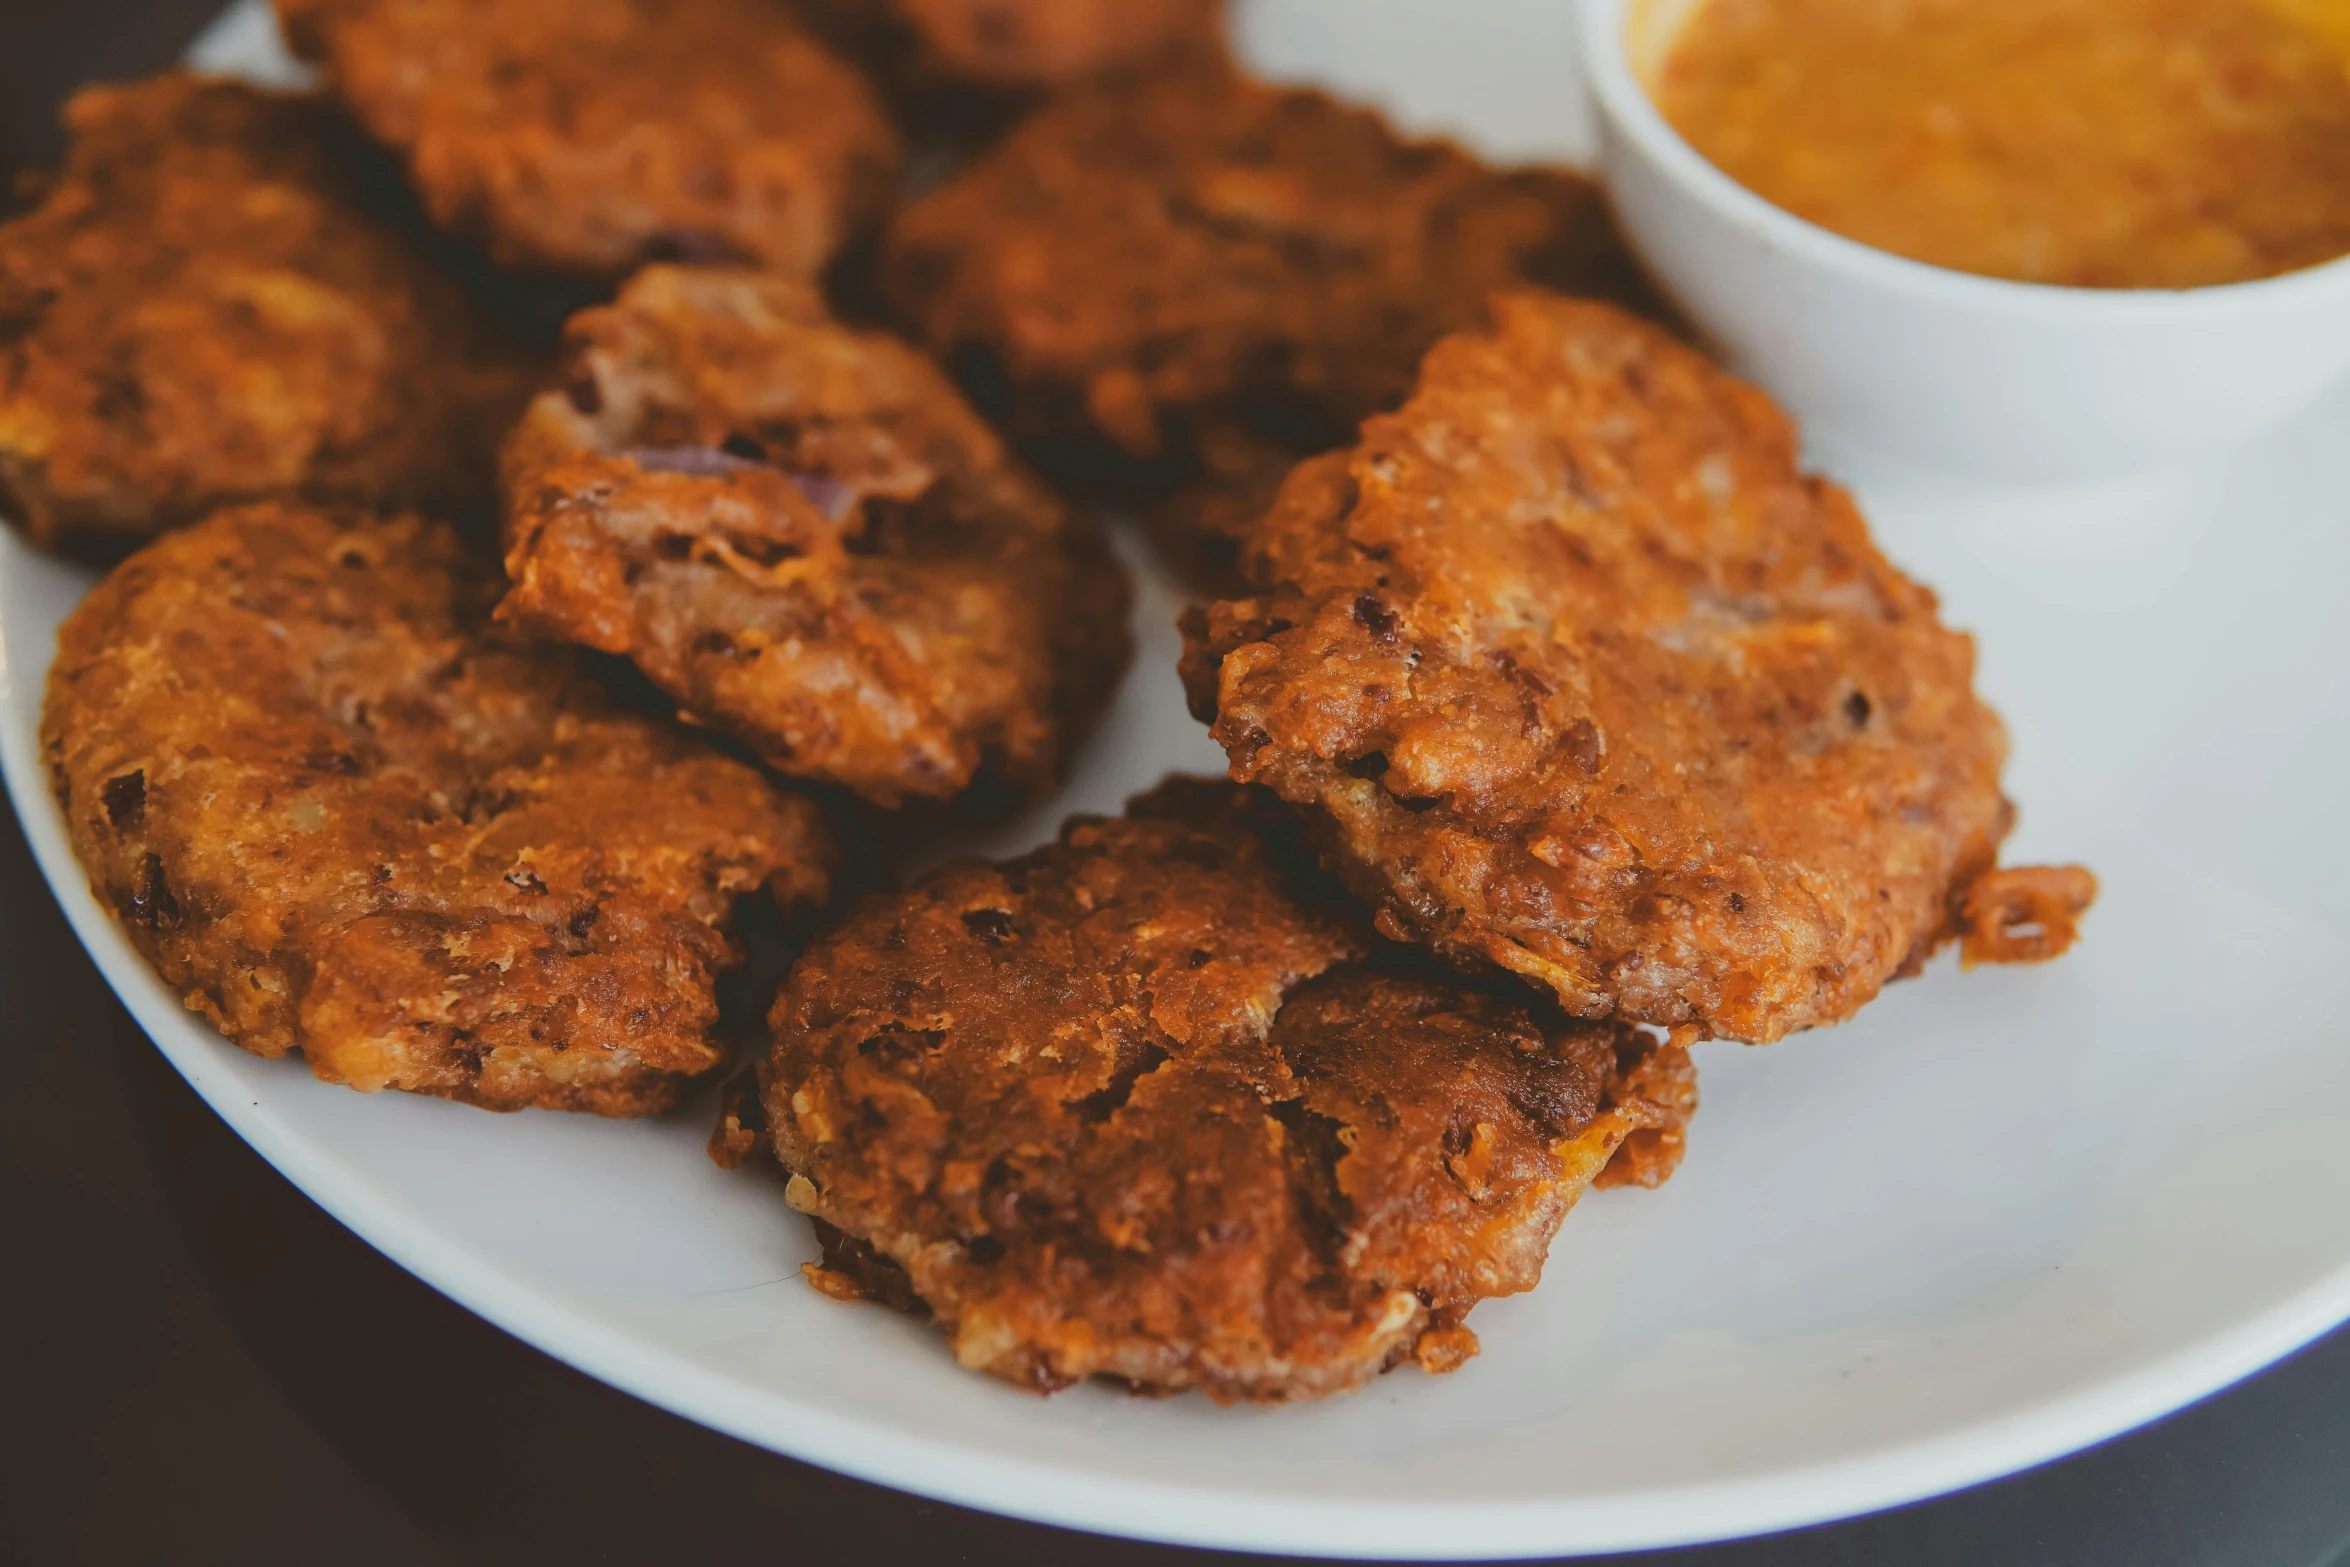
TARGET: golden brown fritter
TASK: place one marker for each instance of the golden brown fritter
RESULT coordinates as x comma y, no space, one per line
1021,44
1148,1105
1586,679
801,533
203,308
584,137
340,813
1147,258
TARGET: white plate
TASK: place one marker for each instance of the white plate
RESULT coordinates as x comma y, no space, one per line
2002,1215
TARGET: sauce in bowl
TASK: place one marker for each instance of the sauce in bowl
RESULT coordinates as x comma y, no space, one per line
2093,143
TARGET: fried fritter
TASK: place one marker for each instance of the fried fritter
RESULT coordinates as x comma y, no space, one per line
584,137
1021,44
1149,1105
1144,260
801,533
203,308
1586,679
341,813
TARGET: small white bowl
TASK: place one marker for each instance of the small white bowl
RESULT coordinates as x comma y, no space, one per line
1878,354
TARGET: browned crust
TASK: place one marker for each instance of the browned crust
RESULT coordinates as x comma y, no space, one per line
202,309
1587,680
584,137
800,532
2025,914
340,814
1149,1105
1147,259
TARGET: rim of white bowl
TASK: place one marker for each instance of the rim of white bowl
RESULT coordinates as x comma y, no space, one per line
1623,101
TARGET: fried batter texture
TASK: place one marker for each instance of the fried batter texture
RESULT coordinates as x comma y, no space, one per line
2027,914
201,309
1023,44
1143,261
341,814
1585,679
801,533
583,137
1146,1105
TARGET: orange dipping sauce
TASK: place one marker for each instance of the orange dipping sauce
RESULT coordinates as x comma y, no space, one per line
2097,143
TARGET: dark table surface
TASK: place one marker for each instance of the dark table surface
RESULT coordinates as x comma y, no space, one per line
202,1366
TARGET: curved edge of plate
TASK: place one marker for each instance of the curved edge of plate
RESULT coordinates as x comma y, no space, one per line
995,1482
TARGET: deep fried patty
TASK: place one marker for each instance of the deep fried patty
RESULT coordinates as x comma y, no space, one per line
340,813
1587,679
1146,1105
801,533
203,308
583,137
1144,259
1022,43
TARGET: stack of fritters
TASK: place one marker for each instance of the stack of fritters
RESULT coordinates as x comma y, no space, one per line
1568,721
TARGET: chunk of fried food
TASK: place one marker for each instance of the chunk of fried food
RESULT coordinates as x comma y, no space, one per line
205,308
1144,260
1149,1105
1024,44
801,533
1585,679
2026,915
585,137
341,814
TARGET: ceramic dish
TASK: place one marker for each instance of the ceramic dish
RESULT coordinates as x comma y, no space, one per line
1970,375
2002,1215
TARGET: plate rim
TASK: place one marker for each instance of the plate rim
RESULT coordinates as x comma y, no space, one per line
1043,1491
